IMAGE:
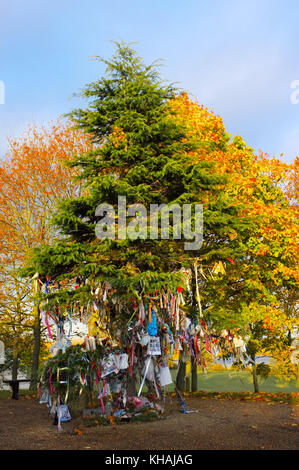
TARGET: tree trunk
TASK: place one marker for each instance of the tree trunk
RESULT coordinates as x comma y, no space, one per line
15,362
36,337
131,385
180,378
36,351
188,384
196,300
254,376
194,385
88,397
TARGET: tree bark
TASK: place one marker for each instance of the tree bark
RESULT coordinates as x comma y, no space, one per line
35,354
131,385
15,362
254,376
194,386
180,378
36,340
188,384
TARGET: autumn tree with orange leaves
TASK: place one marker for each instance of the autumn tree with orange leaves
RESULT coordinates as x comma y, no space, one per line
33,177
251,298
157,146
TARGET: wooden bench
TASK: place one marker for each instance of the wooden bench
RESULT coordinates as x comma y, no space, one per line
15,385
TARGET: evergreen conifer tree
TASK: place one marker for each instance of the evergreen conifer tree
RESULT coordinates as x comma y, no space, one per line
143,154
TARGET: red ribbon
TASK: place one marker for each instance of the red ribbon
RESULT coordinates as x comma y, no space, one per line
48,328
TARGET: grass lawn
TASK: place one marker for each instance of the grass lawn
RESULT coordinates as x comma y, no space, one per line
7,393
239,381
221,381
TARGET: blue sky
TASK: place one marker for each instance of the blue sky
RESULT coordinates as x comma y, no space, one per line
239,58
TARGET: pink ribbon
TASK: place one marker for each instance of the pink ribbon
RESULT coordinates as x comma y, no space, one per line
48,327
103,408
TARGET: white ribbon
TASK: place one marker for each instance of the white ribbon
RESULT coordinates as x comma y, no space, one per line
145,373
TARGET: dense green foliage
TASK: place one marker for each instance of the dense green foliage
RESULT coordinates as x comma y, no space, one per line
142,153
